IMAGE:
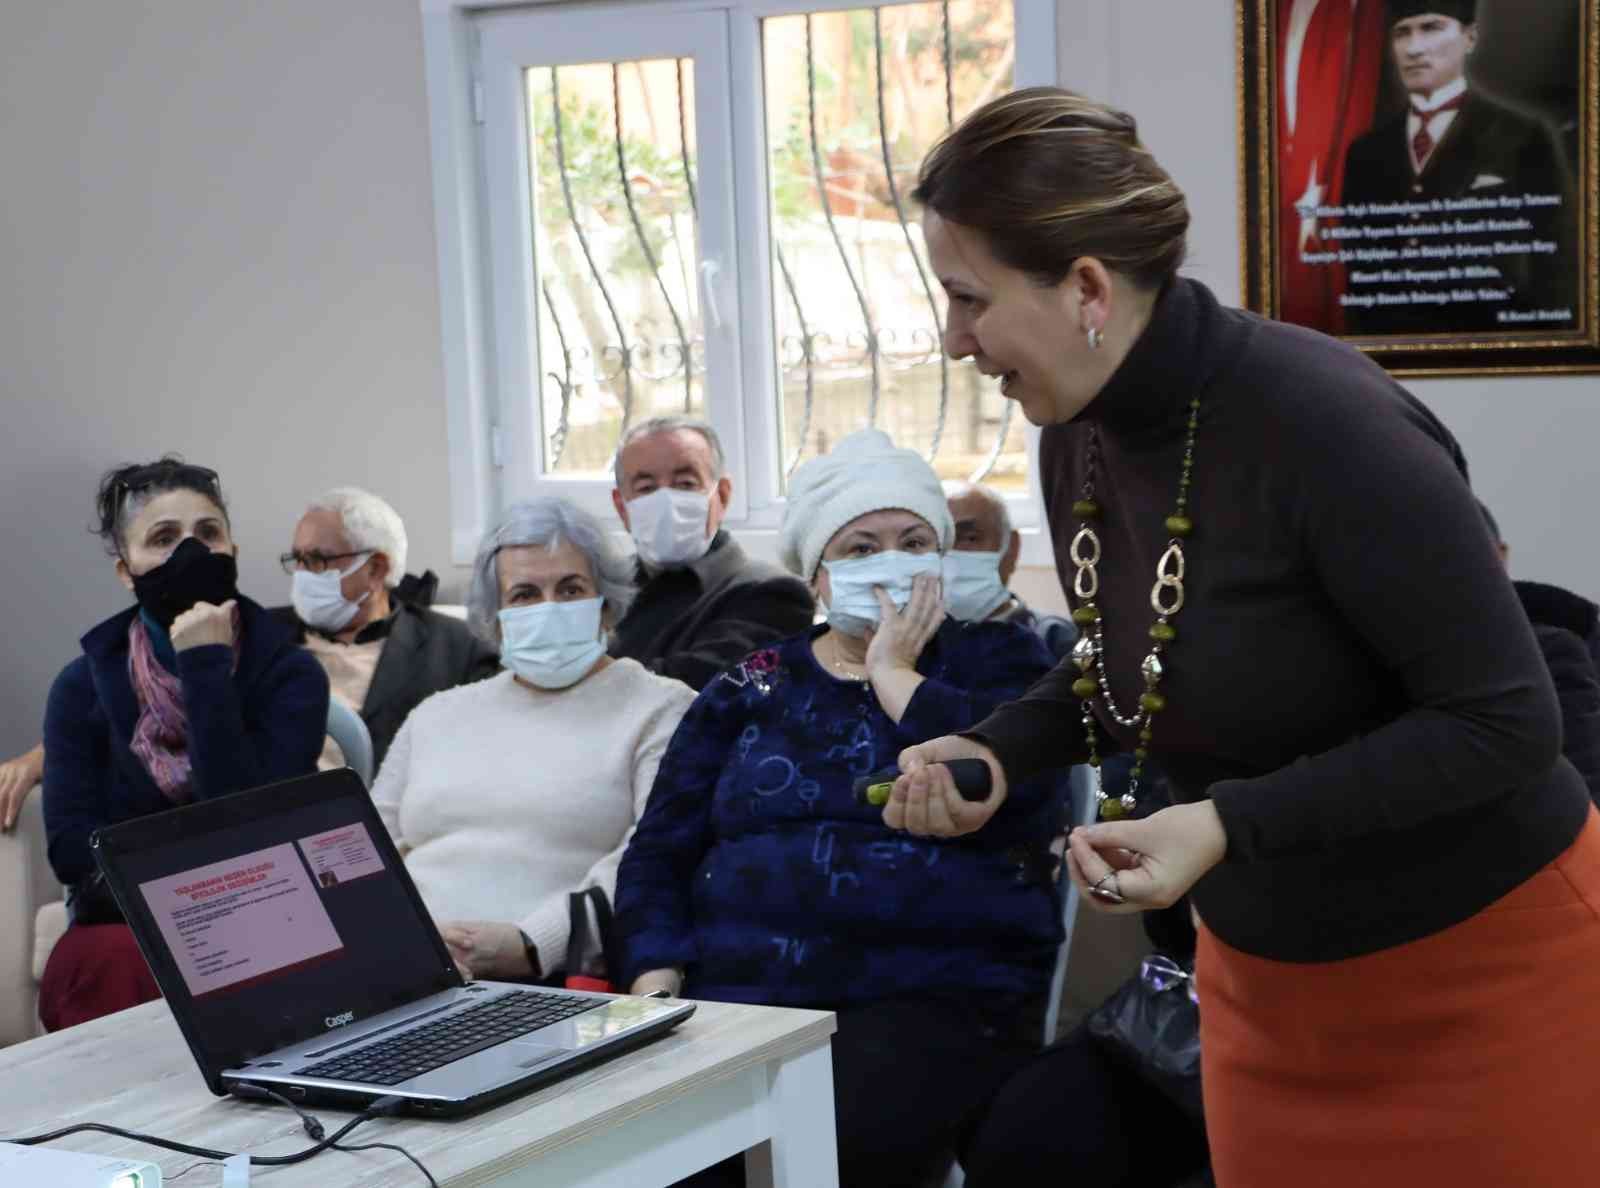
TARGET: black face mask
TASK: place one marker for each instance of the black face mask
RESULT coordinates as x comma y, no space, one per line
193,573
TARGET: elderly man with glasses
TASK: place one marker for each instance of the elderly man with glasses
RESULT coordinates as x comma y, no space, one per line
382,652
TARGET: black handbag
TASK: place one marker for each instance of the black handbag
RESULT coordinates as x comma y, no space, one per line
1152,1025
591,942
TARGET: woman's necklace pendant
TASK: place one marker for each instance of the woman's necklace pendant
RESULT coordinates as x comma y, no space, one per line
1166,599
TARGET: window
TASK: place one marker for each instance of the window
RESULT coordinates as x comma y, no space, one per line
854,99
615,214
668,207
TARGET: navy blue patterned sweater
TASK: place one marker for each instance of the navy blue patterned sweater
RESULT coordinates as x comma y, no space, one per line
754,868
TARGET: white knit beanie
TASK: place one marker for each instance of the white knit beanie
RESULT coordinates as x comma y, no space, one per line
865,472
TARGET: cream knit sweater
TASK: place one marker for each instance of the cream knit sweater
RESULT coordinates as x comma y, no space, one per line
504,798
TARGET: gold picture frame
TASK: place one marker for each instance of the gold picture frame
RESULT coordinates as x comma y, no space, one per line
1473,252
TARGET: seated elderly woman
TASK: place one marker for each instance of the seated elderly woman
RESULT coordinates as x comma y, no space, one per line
193,693
507,795
756,876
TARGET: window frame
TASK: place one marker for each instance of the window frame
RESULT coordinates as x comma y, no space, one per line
493,429
514,42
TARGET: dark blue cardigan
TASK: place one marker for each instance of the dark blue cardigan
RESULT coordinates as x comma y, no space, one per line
264,722
753,866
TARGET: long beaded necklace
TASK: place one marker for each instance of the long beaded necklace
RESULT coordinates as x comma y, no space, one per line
1166,599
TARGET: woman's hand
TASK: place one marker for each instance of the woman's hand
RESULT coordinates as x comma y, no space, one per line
893,647
902,634
925,801
17,778
1132,866
203,624
487,950
670,980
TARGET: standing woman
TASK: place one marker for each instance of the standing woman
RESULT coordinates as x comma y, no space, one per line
1289,600
192,693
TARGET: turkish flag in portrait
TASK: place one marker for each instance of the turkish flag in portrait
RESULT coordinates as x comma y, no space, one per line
1330,62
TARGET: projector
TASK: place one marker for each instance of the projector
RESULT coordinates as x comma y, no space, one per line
44,1167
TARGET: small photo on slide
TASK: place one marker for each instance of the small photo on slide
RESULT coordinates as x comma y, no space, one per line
341,855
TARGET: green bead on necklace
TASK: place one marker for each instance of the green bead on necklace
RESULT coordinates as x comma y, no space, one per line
1166,599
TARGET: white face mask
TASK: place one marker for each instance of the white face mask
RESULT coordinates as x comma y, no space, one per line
972,586
552,644
852,606
319,601
668,526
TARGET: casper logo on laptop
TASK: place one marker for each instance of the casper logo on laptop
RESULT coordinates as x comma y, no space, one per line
340,1020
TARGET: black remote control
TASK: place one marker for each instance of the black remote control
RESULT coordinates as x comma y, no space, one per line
971,777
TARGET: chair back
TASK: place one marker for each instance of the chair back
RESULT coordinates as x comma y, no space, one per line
348,730
1081,810
26,884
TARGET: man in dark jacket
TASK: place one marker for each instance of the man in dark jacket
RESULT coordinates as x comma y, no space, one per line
980,564
1567,626
1457,159
383,654
703,605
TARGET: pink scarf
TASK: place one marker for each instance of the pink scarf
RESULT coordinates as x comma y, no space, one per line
161,737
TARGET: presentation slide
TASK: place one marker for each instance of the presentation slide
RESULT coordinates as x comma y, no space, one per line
340,855
237,921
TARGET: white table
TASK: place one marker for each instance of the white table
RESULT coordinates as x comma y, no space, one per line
730,1079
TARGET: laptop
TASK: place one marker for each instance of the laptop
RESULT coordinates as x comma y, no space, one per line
296,955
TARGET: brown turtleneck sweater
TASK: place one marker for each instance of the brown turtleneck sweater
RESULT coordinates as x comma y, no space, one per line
1354,683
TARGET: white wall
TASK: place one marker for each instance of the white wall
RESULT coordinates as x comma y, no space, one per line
218,239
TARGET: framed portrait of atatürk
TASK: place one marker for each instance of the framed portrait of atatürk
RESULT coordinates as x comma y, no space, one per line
1420,177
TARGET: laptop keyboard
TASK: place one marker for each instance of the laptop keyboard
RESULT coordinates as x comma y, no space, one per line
434,1045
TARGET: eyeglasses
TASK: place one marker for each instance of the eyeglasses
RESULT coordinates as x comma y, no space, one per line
1162,973
315,562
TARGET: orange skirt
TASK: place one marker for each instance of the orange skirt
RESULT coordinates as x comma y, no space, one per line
1466,1059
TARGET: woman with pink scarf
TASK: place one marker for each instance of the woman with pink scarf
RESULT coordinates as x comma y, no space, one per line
192,693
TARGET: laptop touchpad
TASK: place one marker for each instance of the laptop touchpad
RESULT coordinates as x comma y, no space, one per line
532,1055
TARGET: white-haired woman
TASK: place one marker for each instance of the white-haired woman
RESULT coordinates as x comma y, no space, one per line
507,795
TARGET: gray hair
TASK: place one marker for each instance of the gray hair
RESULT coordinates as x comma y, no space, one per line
547,521
956,488
653,425
370,525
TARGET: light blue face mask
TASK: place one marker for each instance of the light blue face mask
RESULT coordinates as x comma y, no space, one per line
972,586
552,644
852,606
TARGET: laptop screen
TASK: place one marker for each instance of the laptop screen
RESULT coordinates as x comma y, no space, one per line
274,915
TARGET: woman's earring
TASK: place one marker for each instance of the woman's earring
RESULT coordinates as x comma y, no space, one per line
1095,338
